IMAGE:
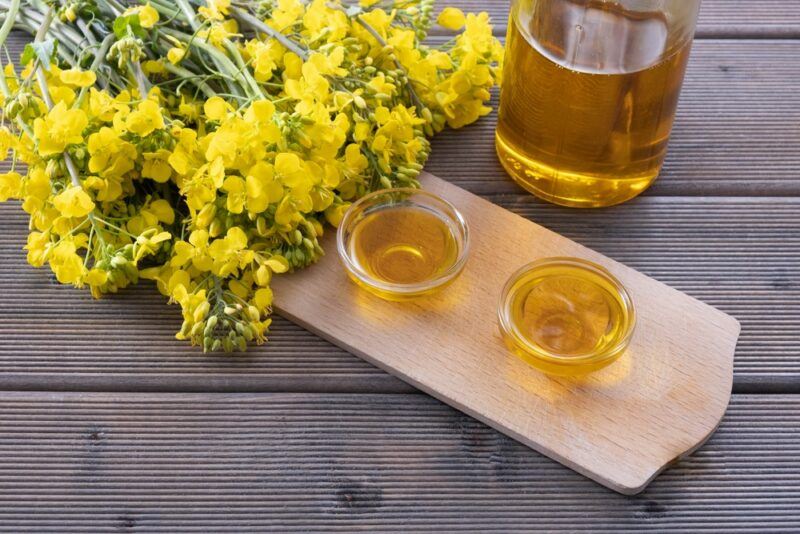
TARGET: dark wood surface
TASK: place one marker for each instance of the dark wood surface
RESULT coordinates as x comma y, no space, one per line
298,462
110,424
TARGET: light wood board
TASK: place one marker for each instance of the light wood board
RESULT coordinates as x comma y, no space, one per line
620,426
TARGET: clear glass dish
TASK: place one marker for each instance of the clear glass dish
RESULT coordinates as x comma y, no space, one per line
403,243
566,316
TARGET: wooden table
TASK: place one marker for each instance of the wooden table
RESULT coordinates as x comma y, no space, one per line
108,423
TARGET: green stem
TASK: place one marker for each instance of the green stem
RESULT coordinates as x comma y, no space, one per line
245,72
140,79
180,71
188,12
99,57
115,227
5,29
86,31
115,7
222,61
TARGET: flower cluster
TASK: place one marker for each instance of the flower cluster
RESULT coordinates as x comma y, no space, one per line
206,146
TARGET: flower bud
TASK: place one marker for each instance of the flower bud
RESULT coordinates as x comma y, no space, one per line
205,216
215,228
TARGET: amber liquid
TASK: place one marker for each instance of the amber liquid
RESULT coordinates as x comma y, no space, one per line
572,313
568,316
588,98
403,245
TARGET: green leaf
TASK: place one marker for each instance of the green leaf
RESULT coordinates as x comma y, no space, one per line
124,22
44,51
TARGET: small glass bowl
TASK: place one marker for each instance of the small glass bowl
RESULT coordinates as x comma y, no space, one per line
393,198
567,277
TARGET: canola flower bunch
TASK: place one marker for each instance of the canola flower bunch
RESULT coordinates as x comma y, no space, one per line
207,144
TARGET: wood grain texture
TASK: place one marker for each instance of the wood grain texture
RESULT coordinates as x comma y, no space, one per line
718,18
402,463
619,426
736,130
740,255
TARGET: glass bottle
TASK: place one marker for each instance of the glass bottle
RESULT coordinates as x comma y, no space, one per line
589,95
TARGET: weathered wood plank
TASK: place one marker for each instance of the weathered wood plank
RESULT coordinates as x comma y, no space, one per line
134,463
741,255
735,132
718,18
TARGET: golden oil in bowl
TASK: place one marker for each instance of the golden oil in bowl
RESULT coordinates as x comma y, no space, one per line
403,243
566,316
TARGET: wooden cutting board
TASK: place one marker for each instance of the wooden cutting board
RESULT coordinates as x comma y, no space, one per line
620,426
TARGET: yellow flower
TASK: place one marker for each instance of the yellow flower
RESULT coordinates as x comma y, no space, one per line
36,190
10,185
162,210
64,94
311,88
153,67
176,54
264,58
66,263
156,166
148,243
286,13
101,105
148,16
216,109
73,202
188,109
228,253
60,128
97,279
195,251
215,9
219,32
287,213
263,298
77,77
322,21
111,156
235,188
262,187
451,18
335,213
145,119
38,248
106,189
290,168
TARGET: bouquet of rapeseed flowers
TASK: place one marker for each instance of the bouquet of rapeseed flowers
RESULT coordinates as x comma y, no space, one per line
205,144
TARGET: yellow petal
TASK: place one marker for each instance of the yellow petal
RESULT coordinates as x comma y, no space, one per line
263,298
148,16
278,264
287,163
77,77
216,108
73,202
451,18
175,54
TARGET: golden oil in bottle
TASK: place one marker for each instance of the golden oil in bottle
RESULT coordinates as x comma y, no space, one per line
403,245
588,98
566,316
